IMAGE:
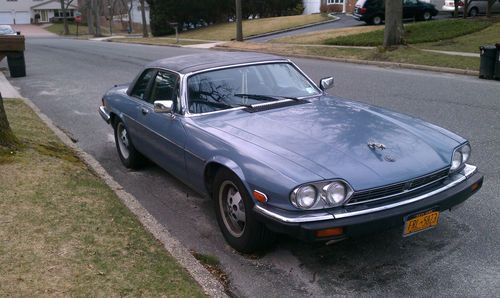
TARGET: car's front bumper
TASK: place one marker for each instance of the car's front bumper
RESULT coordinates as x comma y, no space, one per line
456,190
104,114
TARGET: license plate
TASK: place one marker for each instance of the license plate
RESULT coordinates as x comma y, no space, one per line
420,222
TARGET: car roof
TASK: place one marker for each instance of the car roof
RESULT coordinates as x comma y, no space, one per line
202,61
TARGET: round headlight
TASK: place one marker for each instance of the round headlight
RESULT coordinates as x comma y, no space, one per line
335,193
465,150
306,197
456,160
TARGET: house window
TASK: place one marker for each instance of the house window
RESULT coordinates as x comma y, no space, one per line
334,2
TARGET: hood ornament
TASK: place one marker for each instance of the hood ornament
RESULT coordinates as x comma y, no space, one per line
373,145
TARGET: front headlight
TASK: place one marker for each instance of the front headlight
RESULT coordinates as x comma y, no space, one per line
460,157
319,195
305,197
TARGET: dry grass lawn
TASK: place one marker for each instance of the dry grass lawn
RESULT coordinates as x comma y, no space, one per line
63,232
227,31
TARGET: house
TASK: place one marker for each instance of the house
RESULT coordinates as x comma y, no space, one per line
24,11
317,6
136,12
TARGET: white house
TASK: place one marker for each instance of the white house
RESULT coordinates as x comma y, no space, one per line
136,12
24,11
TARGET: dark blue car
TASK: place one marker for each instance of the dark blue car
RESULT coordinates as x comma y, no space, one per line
278,155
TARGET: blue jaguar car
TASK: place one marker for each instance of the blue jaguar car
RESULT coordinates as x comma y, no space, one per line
277,154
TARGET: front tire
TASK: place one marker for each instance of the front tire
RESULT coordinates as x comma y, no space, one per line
129,156
427,16
376,20
233,209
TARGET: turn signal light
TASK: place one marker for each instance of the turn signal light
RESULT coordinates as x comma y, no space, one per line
259,196
329,232
474,186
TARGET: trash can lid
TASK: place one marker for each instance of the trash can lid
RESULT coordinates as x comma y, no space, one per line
489,47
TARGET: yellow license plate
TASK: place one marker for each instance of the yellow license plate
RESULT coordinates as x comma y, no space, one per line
420,222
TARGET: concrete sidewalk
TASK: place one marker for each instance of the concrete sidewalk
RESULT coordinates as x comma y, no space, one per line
7,90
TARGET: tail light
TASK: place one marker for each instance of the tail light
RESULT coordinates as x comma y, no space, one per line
460,3
362,10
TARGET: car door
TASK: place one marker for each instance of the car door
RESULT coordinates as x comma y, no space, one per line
131,109
163,134
410,9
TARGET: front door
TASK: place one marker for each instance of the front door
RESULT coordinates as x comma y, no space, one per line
163,135
44,16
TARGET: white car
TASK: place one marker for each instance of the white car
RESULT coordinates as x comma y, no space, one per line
475,8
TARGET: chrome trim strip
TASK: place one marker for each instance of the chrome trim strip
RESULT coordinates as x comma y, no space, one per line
468,171
104,114
399,193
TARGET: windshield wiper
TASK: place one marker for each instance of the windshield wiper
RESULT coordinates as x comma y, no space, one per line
265,97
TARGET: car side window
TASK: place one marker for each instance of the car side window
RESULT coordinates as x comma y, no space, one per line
142,83
165,87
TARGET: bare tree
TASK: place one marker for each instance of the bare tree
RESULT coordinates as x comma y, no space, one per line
7,137
96,15
144,23
393,32
466,8
64,7
111,12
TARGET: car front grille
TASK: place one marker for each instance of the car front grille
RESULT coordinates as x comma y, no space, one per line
394,190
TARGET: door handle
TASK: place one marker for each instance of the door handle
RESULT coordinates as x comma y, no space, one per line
144,111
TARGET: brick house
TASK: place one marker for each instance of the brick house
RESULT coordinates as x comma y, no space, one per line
316,6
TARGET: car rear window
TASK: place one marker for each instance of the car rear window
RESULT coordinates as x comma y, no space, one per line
360,3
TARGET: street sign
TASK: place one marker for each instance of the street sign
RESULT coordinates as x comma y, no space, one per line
78,14
78,19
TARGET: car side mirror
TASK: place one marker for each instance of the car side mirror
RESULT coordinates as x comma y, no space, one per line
163,106
326,83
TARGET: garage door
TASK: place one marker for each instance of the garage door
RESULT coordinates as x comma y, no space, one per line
7,17
22,17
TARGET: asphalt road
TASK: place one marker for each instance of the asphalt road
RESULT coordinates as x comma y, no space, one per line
66,79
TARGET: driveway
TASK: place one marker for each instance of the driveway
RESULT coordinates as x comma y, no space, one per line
33,31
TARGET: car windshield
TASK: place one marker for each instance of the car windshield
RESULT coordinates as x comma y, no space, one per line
245,86
6,30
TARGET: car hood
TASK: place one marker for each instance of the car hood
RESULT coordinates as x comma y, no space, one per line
330,137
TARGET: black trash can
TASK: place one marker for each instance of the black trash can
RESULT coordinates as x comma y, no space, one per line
497,63
17,65
487,66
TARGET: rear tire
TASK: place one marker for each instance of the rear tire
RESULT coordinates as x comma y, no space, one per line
17,65
473,12
129,156
233,209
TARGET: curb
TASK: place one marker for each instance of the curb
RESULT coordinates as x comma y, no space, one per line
366,62
335,18
211,286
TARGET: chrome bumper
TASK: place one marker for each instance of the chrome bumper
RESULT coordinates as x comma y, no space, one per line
104,114
452,181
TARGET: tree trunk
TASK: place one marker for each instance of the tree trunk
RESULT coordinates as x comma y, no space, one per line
65,20
7,138
488,8
455,12
97,18
239,21
130,16
110,12
466,8
90,20
393,32
144,23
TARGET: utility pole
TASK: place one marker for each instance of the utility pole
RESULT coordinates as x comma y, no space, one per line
239,21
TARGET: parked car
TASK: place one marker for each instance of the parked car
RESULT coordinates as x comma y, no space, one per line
373,11
277,154
7,30
481,6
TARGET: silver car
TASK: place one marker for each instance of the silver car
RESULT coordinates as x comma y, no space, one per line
7,30
475,8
